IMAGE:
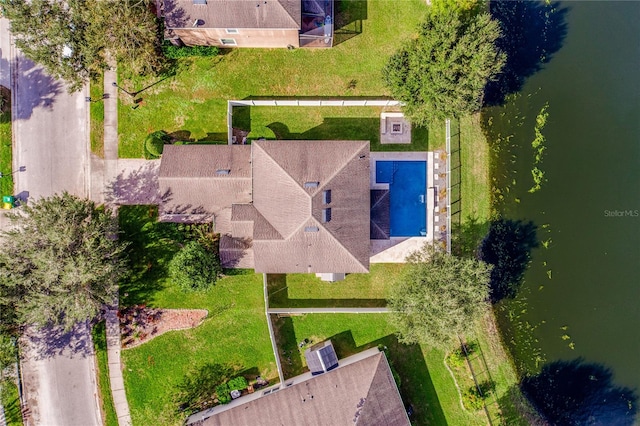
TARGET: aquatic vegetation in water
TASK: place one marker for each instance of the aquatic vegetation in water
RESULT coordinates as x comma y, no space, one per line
539,147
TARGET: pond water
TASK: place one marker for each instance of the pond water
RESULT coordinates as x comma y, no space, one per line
581,292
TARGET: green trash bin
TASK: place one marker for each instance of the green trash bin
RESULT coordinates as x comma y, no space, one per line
8,202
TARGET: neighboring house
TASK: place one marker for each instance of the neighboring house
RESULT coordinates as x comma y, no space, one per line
280,206
248,23
361,390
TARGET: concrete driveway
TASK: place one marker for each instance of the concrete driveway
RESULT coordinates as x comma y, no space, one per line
59,378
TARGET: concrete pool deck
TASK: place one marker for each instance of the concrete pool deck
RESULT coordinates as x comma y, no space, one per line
396,249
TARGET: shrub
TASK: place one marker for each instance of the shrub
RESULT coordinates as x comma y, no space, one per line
154,143
176,52
222,392
237,383
473,398
194,267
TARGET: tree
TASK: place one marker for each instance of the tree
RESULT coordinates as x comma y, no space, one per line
442,72
60,262
194,267
438,297
72,39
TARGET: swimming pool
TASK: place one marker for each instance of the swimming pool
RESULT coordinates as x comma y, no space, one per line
407,187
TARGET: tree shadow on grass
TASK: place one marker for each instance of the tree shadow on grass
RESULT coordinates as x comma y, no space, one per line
416,386
152,245
467,235
532,32
507,246
579,393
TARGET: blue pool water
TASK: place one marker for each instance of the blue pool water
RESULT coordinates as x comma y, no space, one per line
407,188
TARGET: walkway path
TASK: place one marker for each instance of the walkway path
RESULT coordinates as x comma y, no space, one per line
115,369
104,174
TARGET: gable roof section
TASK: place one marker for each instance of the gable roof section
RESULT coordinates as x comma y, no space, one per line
289,180
362,393
194,178
268,14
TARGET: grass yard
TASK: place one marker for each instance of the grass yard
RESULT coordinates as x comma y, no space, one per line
96,115
194,101
357,290
11,402
322,123
235,332
99,337
6,182
426,383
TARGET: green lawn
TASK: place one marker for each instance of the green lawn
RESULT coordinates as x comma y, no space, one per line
357,290
11,402
106,398
234,332
194,101
322,123
96,114
6,183
426,384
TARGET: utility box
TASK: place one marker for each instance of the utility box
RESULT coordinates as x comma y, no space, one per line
8,202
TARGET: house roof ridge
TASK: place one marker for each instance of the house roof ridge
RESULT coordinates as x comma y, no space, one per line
307,195
286,10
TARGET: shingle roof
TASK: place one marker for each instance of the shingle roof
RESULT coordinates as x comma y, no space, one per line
233,14
270,195
280,171
198,188
362,393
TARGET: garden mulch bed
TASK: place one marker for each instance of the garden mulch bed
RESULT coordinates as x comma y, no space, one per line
139,324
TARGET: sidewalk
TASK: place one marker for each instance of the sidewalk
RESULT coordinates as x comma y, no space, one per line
115,369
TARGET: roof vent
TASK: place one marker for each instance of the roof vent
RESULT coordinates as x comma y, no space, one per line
311,184
311,229
223,171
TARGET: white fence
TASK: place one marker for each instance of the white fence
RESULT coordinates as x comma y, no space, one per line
301,103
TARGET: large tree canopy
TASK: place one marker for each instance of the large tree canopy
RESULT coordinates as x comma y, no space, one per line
442,72
438,296
72,38
60,263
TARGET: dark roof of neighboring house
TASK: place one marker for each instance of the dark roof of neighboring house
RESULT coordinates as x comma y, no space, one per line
233,14
289,180
363,393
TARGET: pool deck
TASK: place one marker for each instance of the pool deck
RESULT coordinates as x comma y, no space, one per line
396,249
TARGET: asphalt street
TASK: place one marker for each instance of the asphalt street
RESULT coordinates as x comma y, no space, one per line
51,148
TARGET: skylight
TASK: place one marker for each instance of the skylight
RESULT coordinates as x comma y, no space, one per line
311,229
223,171
311,184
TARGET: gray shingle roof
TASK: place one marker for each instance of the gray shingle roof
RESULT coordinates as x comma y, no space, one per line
264,202
362,393
280,171
233,14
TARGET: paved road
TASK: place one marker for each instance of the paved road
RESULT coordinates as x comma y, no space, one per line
50,141
50,131
59,378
